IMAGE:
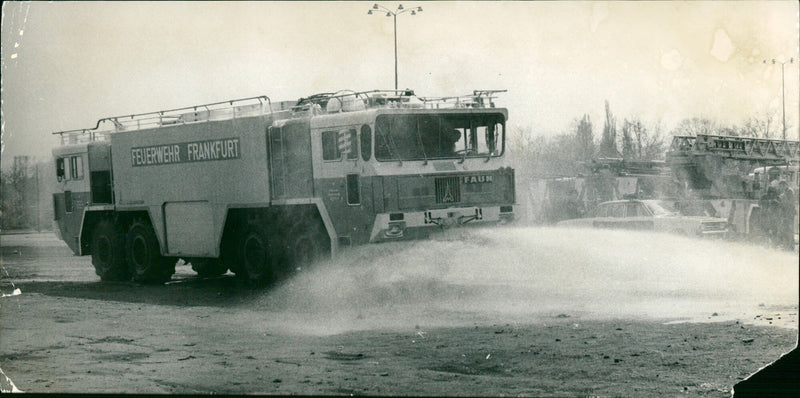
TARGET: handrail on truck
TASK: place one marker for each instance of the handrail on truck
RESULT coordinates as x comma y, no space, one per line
397,98
161,118
400,98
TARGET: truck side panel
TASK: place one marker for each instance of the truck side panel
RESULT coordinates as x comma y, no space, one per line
195,238
216,165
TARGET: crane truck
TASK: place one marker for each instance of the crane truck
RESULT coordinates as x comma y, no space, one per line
704,175
725,176
262,188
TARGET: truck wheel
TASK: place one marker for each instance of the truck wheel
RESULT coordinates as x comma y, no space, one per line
306,245
256,256
108,253
144,257
230,253
208,267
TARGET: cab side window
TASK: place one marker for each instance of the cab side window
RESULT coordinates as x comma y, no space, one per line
330,145
366,142
76,167
337,143
61,169
348,143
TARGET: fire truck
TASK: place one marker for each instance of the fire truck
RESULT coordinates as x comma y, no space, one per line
725,176
557,198
264,188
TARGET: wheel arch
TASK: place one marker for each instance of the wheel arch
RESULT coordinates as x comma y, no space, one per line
121,219
88,226
315,208
278,216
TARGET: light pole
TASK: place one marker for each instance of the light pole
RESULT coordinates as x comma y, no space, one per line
394,14
783,91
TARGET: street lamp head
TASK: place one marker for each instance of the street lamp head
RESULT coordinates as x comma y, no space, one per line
394,13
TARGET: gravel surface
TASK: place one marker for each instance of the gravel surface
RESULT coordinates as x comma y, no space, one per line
508,311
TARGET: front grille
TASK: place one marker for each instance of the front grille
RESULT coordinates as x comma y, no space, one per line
448,190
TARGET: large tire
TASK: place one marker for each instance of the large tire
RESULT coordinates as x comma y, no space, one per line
144,256
108,253
257,256
230,254
306,244
208,267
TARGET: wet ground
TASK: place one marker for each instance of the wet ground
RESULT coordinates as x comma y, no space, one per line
510,311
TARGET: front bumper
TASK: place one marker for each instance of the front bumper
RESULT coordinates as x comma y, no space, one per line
413,224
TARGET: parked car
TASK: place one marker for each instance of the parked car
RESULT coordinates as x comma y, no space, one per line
653,215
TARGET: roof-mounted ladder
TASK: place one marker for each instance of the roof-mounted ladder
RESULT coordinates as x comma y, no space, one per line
231,109
742,148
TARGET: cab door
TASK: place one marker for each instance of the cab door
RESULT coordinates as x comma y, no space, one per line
99,156
341,182
290,166
72,197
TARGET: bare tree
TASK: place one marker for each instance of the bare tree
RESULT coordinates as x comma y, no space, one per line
694,126
627,141
522,146
639,143
757,127
731,131
519,139
584,138
13,193
608,142
652,145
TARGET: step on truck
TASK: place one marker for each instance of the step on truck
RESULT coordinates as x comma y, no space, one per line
264,188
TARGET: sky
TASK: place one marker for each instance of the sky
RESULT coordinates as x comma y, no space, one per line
67,64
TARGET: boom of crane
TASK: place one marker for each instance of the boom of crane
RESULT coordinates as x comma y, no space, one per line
715,166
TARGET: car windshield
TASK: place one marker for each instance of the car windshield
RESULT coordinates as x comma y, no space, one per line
661,208
438,136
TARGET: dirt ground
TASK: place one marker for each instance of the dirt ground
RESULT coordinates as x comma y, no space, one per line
466,313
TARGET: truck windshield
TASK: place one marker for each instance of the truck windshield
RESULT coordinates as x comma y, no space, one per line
425,136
